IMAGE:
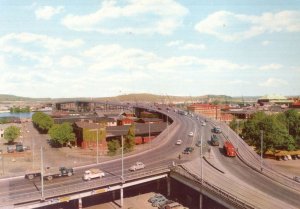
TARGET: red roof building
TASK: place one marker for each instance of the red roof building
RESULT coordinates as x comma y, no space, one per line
208,110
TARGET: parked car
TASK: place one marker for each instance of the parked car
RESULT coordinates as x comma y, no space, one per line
155,197
285,158
179,142
297,178
172,205
289,157
191,134
159,201
137,166
188,150
198,144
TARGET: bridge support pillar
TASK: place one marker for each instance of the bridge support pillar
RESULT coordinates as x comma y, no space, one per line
168,187
200,201
79,203
121,197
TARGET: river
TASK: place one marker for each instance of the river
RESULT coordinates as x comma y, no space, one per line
17,115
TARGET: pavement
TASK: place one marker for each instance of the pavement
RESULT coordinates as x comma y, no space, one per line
289,167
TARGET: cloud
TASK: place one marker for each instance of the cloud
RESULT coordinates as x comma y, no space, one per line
229,26
45,41
186,46
137,17
265,43
240,82
272,66
47,12
70,62
274,82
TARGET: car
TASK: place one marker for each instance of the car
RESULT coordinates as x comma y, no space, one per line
179,142
155,197
188,150
191,134
203,123
198,144
159,201
285,158
296,178
289,157
137,166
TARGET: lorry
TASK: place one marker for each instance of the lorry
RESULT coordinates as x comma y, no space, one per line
50,173
214,140
229,149
93,173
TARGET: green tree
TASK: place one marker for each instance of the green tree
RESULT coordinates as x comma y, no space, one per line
11,133
113,146
275,133
130,138
62,134
42,121
234,125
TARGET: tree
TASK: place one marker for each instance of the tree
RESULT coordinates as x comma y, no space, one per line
234,125
61,134
130,138
113,146
42,121
275,136
11,133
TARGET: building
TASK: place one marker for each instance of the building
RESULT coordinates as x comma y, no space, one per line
86,135
75,106
207,110
149,120
144,133
274,99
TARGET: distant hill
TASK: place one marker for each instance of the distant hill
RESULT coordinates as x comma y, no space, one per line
8,97
138,97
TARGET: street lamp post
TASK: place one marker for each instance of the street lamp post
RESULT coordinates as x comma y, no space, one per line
42,174
201,155
261,149
122,172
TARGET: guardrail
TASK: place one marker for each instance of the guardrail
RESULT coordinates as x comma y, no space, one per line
246,154
213,189
80,187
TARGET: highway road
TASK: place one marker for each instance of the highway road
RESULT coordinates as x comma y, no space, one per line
162,154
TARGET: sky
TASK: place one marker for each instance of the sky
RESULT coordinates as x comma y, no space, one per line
80,48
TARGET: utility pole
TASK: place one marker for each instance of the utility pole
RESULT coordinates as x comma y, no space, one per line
42,174
261,149
201,155
122,172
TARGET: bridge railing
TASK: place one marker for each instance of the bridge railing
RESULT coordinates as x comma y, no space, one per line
252,159
78,187
213,189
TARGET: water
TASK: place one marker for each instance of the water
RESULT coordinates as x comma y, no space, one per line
17,115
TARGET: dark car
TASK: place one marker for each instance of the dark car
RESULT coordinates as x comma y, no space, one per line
188,150
198,144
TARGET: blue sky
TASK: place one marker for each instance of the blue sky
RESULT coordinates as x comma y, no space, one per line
92,48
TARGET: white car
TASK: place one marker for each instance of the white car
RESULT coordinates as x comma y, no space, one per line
137,166
203,123
179,142
191,134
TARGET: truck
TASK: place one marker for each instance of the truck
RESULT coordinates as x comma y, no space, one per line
214,140
50,173
93,173
229,149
